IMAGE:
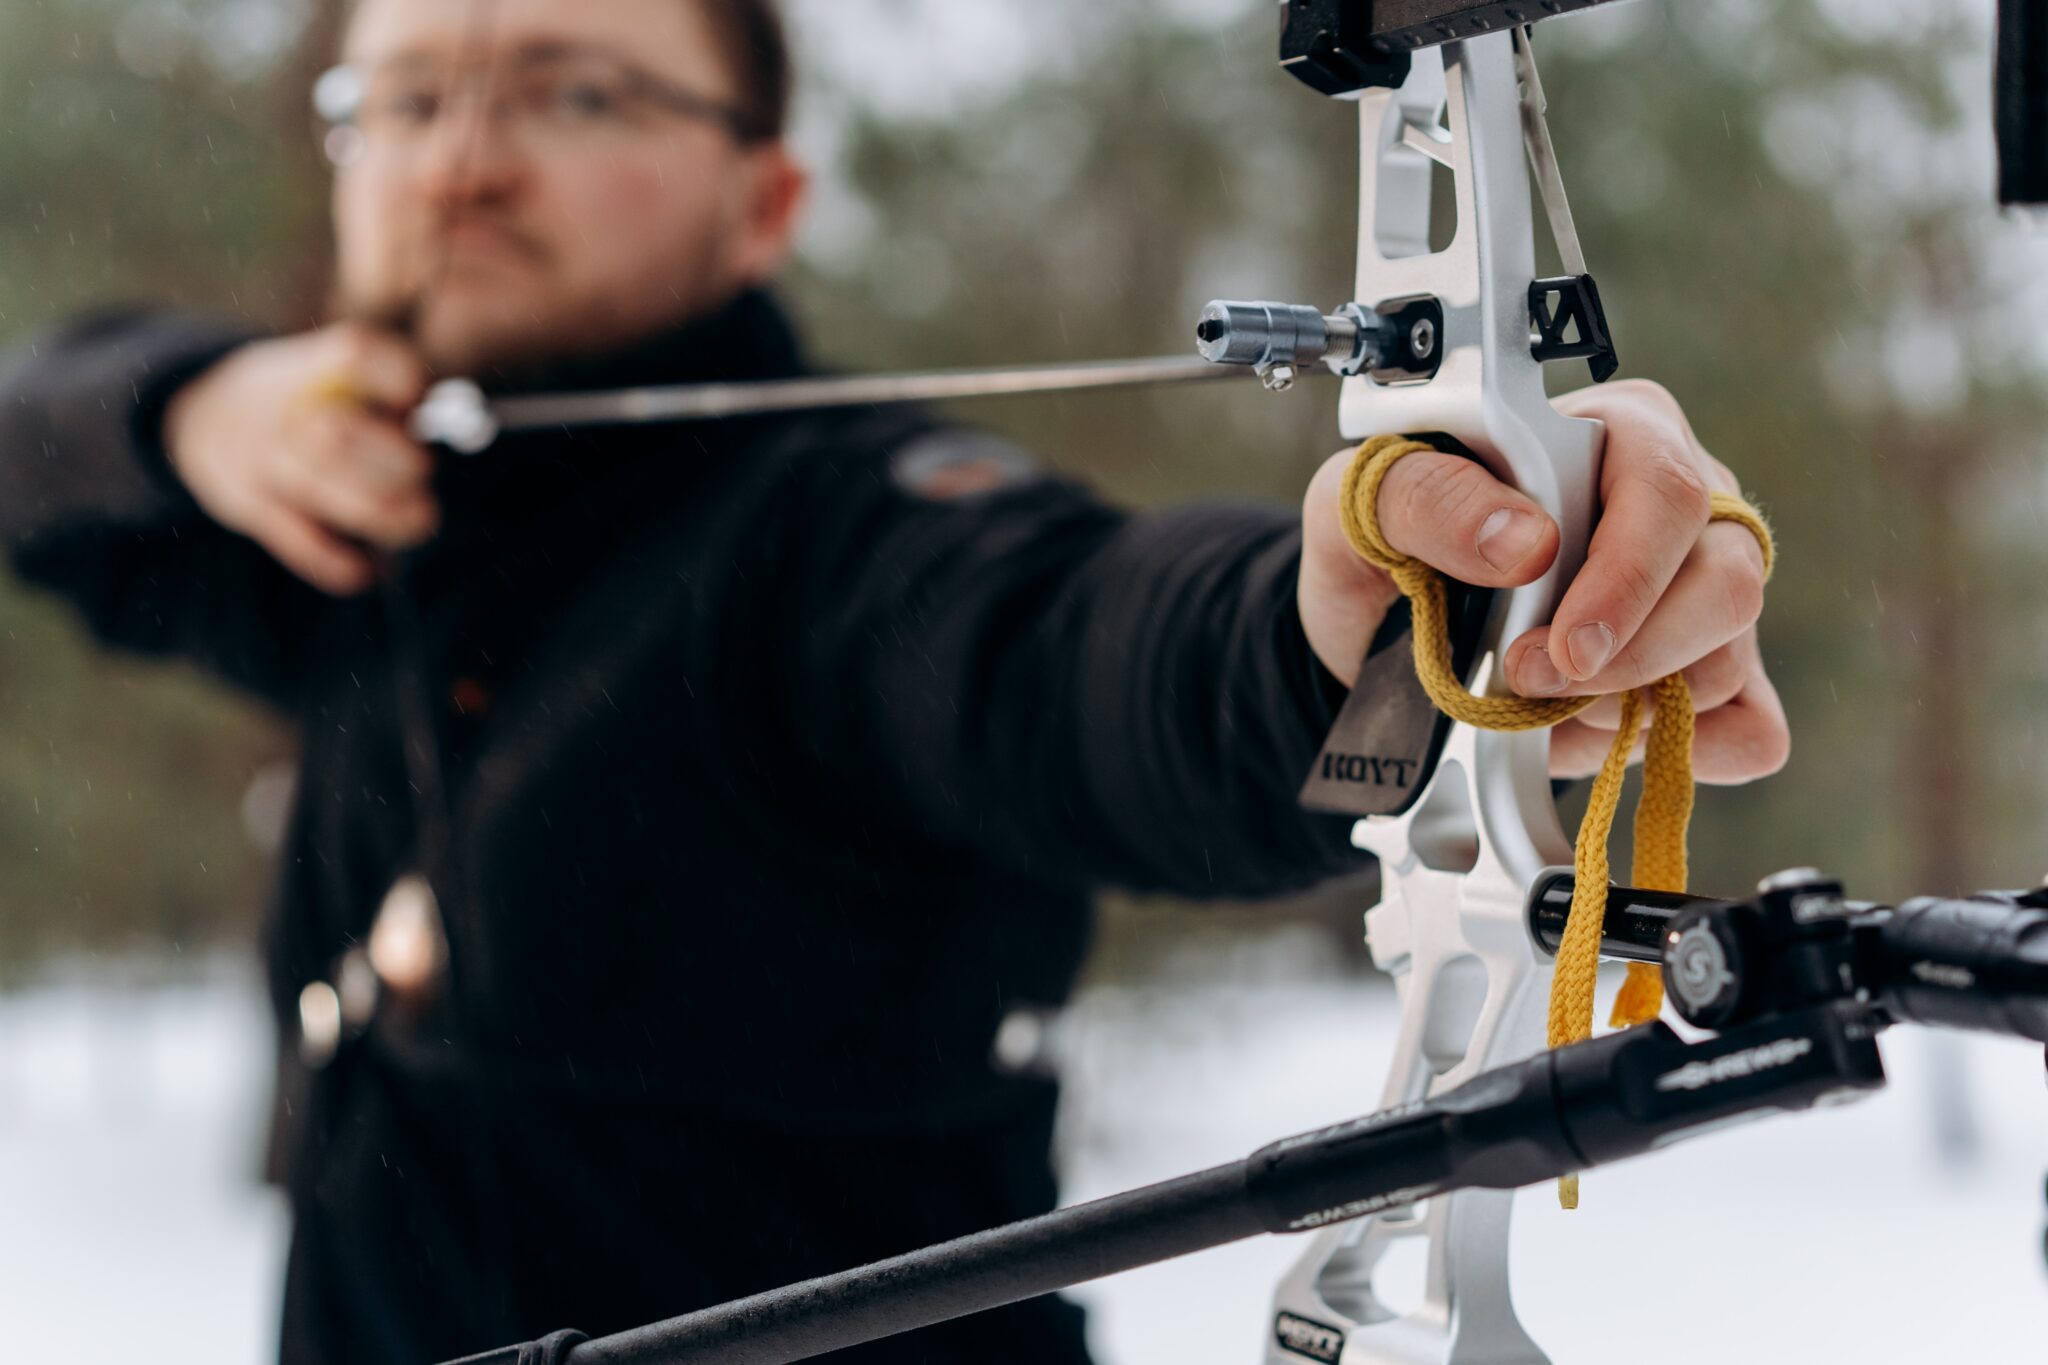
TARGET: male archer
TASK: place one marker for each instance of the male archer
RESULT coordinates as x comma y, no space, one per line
746,774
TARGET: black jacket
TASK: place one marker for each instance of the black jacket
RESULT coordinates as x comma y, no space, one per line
774,781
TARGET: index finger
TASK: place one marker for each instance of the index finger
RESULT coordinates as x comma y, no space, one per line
1655,501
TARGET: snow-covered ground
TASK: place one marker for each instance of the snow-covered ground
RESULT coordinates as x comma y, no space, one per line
132,1225
1906,1229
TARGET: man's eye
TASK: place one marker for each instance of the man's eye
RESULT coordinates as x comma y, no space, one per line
410,108
587,100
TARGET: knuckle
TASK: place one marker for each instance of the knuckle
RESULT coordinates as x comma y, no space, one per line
1677,481
1629,669
352,345
327,444
1723,477
1650,394
1635,591
1441,491
1719,676
1743,586
1746,597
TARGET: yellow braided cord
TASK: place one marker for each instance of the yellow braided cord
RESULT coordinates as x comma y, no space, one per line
1729,507
1358,505
1663,811
1663,814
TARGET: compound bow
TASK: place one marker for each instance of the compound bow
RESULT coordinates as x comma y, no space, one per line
1453,340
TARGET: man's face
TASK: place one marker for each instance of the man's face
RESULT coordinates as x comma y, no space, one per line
530,184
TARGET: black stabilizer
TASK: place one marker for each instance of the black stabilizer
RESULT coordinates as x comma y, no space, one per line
552,1349
1652,1087
1980,963
1547,1116
2022,102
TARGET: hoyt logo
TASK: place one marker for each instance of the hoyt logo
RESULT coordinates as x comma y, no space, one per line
1369,771
1306,1338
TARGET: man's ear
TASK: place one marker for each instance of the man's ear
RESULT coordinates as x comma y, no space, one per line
772,208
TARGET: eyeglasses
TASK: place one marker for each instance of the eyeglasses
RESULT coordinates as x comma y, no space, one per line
554,97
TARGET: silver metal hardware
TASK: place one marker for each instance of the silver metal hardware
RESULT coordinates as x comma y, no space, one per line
1278,338
455,414
1788,879
1543,159
1422,338
1699,967
319,1024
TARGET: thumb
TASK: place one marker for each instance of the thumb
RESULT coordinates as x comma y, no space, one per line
1455,517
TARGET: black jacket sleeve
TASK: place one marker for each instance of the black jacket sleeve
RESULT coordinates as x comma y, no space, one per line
1091,695
89,505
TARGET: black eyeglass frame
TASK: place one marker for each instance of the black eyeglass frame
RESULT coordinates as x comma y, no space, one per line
339,92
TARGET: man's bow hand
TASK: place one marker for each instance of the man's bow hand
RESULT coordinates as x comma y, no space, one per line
1662,589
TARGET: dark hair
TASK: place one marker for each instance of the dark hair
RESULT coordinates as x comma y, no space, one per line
756,47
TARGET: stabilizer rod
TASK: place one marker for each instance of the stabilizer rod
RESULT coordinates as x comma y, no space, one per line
1558,1112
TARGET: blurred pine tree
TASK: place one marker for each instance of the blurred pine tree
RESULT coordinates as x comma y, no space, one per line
1787,204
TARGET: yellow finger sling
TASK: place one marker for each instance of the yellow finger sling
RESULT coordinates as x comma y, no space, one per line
1664,809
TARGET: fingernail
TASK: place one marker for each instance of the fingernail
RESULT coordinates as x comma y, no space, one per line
1508,537
1591,646
1538,676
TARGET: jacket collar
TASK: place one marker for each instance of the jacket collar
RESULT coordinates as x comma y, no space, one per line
749,338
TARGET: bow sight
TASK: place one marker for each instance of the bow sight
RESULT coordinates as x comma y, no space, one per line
1795,984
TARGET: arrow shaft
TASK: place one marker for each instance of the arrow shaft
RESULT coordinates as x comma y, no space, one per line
694,402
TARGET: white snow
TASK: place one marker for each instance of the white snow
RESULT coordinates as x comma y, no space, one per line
132,1226
1904,1230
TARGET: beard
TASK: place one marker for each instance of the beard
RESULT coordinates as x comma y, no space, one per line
500,314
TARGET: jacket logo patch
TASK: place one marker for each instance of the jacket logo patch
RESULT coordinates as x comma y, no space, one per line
958,464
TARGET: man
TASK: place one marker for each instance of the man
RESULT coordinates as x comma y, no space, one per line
756,769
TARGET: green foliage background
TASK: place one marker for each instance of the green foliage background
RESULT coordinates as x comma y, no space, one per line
1788,205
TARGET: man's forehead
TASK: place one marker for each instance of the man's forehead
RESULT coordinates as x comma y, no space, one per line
670,36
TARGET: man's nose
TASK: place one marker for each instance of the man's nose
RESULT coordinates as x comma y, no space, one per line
471,153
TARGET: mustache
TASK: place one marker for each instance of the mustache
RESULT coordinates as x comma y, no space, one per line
520,239
399,312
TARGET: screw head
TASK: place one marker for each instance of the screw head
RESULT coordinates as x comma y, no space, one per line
1696,968
1280,378
1422,338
